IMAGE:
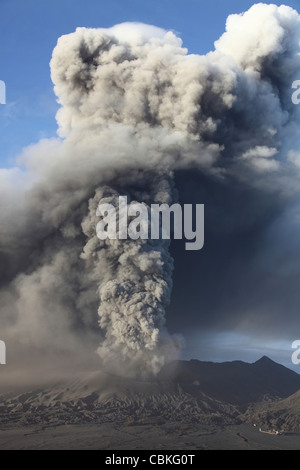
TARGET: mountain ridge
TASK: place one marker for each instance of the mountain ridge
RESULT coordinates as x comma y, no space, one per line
184,392
236,382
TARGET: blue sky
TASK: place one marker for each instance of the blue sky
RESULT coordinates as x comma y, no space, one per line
29,31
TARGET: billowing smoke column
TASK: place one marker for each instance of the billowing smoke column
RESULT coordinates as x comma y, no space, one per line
135,281
135,107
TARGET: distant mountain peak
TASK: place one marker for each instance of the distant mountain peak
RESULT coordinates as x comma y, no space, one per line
264,360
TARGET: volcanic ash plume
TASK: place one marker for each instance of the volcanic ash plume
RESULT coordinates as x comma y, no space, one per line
135,281
135,108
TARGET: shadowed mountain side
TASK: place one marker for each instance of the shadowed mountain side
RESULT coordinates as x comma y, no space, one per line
283,415
237,382
185,392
